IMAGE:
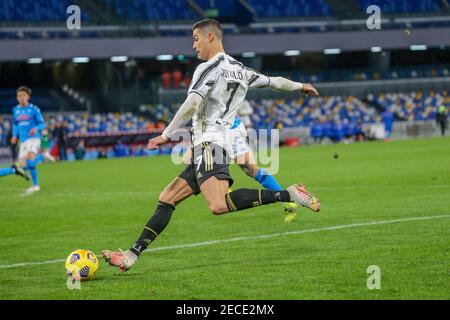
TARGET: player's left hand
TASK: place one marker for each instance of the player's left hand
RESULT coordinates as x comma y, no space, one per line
33,132
309,89
156,142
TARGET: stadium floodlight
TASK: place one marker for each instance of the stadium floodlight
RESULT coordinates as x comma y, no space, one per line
80,60
34,60
164,57
291,53
418,47
248,54
332,51
119,59
376,49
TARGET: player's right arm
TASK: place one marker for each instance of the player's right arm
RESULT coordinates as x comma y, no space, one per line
203,80
183,115
258,80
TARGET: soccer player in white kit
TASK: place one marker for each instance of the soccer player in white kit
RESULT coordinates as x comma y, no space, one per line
218,88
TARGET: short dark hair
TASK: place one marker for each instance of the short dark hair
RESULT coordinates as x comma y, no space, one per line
24,89
209,23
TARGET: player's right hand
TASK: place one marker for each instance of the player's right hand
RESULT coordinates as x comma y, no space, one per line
156,142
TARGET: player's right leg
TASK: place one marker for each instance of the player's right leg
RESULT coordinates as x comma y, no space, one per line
31,166
178,190
214,179
244,157
220,201
247,163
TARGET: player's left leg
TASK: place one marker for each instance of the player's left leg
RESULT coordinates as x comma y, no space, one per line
177,191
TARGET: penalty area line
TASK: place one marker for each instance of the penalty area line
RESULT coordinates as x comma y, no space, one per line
264,236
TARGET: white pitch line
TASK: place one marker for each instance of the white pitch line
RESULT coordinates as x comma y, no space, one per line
267,236
264,236
151,193
87,194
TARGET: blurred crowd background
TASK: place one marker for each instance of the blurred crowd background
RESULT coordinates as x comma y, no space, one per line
94,99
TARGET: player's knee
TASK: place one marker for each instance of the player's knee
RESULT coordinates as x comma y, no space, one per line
218,208
166,197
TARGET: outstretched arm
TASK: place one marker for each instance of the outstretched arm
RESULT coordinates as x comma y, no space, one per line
284,84
183,115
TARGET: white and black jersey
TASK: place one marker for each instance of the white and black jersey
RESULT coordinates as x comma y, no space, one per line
223,83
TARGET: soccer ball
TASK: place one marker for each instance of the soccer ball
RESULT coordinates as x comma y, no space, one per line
81,265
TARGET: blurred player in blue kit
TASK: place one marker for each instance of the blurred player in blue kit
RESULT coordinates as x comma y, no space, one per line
28,123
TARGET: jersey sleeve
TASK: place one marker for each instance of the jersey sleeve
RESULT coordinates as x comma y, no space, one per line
256,79
204,78
15,125
39,119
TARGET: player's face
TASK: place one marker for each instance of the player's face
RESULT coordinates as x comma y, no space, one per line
200,44
22,98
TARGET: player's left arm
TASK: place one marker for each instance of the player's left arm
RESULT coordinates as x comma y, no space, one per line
258,80
183,115
283,84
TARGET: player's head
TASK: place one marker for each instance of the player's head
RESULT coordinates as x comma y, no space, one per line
23,95
207,35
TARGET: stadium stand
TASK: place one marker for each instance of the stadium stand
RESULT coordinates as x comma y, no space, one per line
335,117
414,106
139,10
290,8
302,112
36,11
101,123
107,18
402,6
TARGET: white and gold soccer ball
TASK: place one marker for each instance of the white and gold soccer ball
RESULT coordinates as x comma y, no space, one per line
81,265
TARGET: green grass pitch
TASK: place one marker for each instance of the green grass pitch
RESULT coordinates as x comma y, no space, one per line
105,204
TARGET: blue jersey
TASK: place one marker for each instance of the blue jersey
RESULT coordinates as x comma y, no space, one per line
236,123
25,119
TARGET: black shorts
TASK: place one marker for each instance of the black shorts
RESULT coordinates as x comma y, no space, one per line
208,160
